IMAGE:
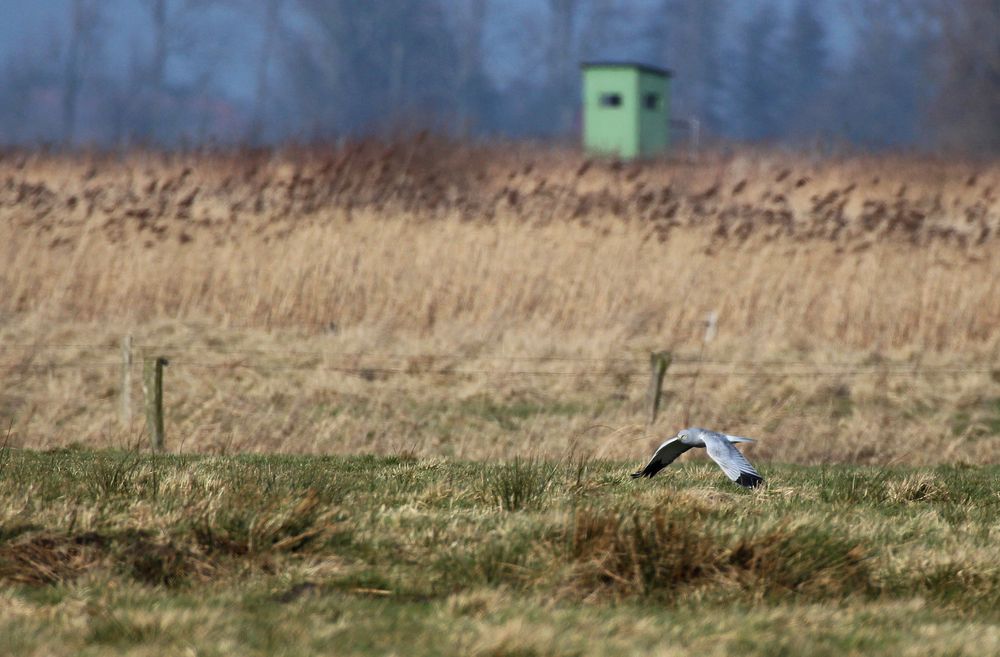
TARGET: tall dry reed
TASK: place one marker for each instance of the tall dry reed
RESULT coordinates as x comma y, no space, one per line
434,258
412,237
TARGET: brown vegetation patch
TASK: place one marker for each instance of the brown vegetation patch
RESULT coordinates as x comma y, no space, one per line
625,553
161,563
49,559
198,552
803,561
285,526
231,195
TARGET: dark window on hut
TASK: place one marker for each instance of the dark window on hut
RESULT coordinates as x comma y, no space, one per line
611,100
651,101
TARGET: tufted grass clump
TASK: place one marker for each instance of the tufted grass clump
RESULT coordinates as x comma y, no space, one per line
519,484
625,553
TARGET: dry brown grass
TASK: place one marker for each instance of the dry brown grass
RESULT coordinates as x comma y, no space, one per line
463,257
865,253
624,553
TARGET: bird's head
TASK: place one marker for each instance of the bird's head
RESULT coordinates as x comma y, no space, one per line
691,436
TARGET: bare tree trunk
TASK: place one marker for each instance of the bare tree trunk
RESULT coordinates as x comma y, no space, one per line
271,12
83,23
560,60
471,62
560,53
71,89
966,110
158,66
157,74
690,48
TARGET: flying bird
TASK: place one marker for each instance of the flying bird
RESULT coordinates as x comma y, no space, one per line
720,448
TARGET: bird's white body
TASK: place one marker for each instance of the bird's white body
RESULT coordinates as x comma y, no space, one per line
719,447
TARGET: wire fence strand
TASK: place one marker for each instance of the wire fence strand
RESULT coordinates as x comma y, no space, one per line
682,359
376,367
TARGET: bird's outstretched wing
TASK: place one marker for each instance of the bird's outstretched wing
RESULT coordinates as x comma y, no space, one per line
733,463
664,456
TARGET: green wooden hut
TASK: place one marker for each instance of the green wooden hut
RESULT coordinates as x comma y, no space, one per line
626,109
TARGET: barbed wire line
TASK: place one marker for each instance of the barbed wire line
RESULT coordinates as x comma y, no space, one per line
822,369
376,370
676,359
30,346
334,353
590,373
44,367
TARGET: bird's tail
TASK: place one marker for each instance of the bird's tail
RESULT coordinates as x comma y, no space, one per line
739,439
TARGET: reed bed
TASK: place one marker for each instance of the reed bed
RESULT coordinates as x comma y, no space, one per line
430,256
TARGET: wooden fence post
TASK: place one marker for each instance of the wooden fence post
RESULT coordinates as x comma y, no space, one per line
152,389
659,361
126,409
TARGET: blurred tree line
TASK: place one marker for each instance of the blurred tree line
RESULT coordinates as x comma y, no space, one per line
876,73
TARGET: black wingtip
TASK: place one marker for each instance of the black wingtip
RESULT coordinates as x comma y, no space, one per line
636,475
748,480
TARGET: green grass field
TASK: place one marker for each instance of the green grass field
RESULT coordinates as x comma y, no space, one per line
121,553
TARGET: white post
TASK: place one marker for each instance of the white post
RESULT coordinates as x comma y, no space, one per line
126,409
711,326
